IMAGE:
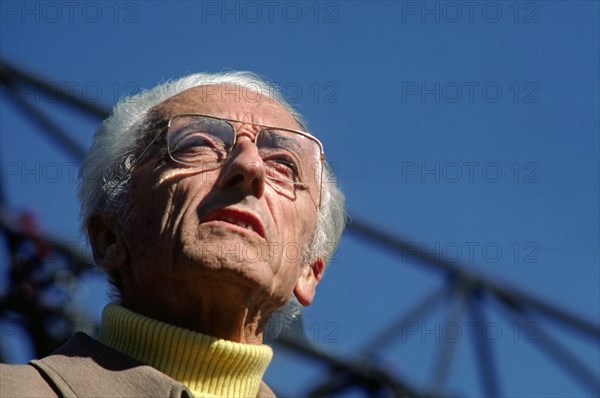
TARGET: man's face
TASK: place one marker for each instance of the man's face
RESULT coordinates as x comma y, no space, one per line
195,230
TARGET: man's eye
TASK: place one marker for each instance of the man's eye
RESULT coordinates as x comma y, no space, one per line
192,141
282,168
200,147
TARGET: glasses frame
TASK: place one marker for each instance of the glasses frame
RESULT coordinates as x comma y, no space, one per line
263,127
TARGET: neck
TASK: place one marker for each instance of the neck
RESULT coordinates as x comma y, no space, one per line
227,314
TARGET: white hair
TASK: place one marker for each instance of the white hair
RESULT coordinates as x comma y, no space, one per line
104,176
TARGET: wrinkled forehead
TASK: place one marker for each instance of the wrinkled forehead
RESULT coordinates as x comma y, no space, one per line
229,101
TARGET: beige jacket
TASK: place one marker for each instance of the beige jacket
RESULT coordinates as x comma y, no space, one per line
84,367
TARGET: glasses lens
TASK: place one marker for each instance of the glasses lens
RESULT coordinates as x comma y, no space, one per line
291,159
199,140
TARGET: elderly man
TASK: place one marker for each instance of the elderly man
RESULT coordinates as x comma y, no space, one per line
212,210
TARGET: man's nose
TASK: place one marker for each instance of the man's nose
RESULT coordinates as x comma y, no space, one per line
244,170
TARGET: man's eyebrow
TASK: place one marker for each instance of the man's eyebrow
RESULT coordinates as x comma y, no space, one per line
279,138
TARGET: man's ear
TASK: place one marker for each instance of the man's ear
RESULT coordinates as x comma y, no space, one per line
307,282
108,247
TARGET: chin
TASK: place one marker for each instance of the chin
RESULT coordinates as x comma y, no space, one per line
231,262
235,247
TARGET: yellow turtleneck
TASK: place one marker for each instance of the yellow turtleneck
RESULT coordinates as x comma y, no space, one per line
206,365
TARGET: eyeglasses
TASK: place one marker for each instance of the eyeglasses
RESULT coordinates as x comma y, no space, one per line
293,159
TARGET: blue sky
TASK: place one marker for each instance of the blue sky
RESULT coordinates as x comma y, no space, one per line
471,129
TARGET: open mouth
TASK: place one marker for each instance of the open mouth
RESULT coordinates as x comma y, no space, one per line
239,218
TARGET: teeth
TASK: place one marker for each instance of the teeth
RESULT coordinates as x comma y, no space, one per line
239,223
